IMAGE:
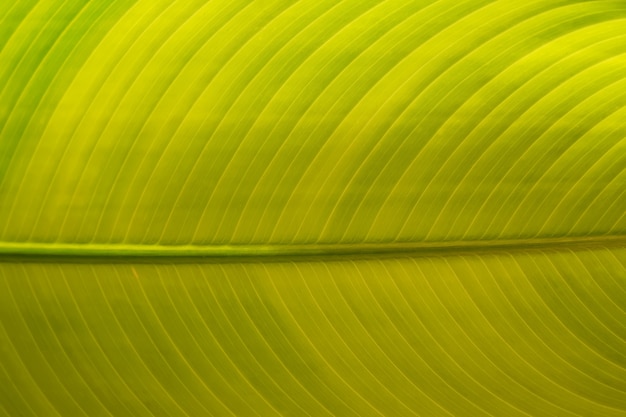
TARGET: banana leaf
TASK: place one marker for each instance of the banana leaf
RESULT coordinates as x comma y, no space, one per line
313,207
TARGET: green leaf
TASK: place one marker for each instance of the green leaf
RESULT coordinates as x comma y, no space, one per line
313,208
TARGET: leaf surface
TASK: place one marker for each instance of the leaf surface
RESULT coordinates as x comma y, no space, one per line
313,208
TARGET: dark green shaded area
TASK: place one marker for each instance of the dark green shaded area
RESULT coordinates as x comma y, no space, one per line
532,333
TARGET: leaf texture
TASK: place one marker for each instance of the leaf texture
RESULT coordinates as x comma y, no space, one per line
311,122
537,333
313,207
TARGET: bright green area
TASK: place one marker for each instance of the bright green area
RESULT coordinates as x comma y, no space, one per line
237,122
485,137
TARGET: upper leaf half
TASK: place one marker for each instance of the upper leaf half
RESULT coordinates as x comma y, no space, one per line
280,122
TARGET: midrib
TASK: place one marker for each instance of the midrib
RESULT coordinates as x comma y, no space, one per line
317,250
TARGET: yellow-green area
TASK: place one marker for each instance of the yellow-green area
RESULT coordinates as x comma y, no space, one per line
527,334
258,122
313,207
